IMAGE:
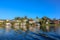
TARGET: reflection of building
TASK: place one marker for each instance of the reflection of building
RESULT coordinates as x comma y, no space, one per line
17,24
8,25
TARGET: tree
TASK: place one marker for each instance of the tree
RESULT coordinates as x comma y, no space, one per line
25,17
17,18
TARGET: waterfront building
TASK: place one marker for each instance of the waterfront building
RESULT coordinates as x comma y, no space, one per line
31,21
8,25
59,22
17,24
47,25
38,26
24,24
56,22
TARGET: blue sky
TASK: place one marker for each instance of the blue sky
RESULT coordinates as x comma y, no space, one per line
31,8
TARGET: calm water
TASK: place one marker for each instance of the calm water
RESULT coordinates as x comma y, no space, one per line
58,31
28,35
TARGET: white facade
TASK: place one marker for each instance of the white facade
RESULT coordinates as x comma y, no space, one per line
38,26
8,26
16,25
23,26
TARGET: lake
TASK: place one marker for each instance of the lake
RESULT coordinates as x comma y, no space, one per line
28,35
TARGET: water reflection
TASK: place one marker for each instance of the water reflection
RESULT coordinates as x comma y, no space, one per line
57,31
28,35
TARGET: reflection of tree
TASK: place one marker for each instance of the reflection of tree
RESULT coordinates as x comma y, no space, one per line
27,31
12,25
44,20
43,23
1,24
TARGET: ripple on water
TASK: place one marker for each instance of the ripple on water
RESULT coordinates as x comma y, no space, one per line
10,35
